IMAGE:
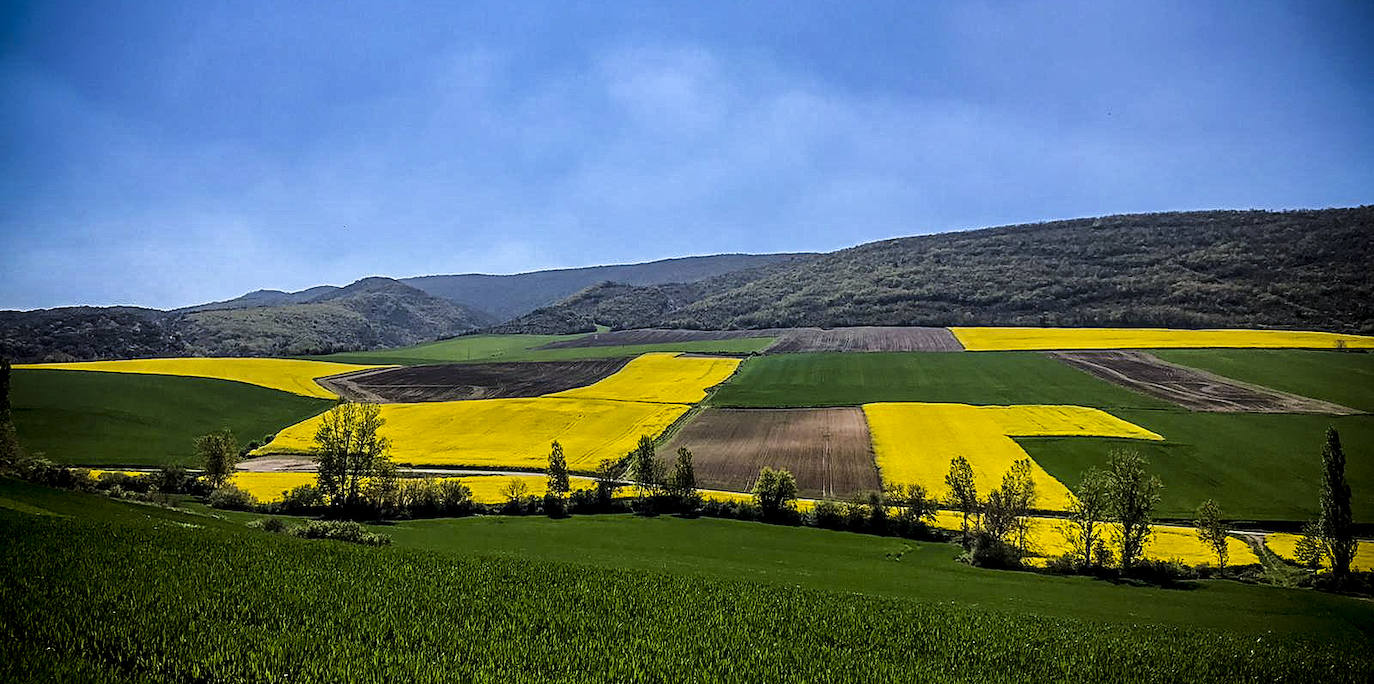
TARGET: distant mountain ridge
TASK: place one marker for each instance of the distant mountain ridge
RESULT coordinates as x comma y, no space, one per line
1307,269
508,296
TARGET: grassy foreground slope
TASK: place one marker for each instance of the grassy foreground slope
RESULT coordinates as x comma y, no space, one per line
81,605
486,348
1256,466
839,379
96,418
1343,378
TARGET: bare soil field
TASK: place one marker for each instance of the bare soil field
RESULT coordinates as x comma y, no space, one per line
617,338
1193,389
459,382
858,339
866,339
828,450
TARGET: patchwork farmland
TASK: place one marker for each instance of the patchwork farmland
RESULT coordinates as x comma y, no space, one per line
852,415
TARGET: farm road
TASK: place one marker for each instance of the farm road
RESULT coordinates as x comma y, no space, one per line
1191,388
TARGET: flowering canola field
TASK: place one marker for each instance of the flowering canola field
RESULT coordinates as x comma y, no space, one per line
266,487
659,377
1285,546
1005,339
504,432
286,375
914,442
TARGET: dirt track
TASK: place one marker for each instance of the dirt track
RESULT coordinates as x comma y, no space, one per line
828,450
1191,388
459,382
856,339
866,339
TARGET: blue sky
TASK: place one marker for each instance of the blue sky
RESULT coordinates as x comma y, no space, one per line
164,154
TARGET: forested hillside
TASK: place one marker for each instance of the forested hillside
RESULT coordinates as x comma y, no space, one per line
1298,269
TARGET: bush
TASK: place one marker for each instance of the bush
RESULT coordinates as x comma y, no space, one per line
108,482
301,500
268,524
340,530
988,551
231,498
175,480
827,514
555,506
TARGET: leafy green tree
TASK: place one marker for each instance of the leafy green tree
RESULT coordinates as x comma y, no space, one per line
644,467
775,492
1311,548
1337,527
218,453
683,482
1133,494
348,450
558,470
914,504
963,491
1087,511
1211,530
9,439
1019,486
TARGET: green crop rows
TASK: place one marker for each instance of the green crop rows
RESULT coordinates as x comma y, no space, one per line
125,592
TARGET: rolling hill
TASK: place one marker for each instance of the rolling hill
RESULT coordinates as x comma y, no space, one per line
1292,269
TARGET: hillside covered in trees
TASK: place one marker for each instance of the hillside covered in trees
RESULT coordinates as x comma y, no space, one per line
1292,269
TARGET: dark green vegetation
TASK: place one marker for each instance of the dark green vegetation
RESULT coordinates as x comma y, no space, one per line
1256,466
1342,378
373,312
487,348
91,418
1229,269
1226,269
81,605
839,379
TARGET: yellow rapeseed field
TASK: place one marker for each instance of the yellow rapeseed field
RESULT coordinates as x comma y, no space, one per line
914,442
1002,339
504,432
287,375
1285,546
659,377
267,487
1168,542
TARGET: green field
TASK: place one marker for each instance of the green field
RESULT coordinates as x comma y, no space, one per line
90,418
117,591
492,348
839,379
1256,466
1345,378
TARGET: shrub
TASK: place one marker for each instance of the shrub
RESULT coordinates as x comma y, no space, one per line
175,480
340,530
989,551
555,506
230,498
268,524
827,514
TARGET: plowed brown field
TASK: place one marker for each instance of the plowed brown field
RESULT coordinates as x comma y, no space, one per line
456,382
828,450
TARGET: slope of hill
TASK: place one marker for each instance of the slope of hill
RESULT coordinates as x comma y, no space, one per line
509,296
1295,269
371,313
259,298
87,332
